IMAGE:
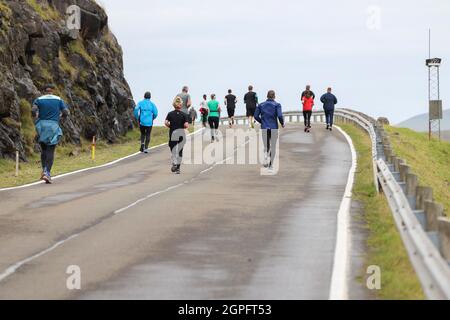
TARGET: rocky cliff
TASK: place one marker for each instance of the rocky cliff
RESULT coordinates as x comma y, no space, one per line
37,48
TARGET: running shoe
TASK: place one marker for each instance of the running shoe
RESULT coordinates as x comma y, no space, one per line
47,178
174,168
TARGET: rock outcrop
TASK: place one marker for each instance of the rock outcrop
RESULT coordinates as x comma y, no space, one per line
37,48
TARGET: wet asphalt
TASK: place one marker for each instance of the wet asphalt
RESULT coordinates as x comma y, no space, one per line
213,232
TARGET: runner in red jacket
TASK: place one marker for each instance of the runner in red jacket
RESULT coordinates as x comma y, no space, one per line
308,104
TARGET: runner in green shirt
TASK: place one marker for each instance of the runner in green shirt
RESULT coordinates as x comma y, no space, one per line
214,117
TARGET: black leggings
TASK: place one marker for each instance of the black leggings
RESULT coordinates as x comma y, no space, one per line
213,124
270,140
47,157
145,135
307,116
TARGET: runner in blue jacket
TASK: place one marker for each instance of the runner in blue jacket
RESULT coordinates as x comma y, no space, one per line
47,111
329,101
145,113
268,114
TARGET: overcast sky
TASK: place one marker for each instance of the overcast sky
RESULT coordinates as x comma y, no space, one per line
375,62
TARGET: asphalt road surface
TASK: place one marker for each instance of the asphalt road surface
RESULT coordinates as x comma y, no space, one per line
137,231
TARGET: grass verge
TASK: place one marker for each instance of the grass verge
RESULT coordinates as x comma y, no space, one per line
430,160
386,250
71,158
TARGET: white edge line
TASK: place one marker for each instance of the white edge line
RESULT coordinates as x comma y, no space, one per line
339,278
91,168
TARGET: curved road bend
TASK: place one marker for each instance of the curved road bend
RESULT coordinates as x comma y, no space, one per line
228,233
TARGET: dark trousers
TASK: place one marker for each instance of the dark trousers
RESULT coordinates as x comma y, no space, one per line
47,157
214,125
307,116
176,147
145,135
270,140
329,115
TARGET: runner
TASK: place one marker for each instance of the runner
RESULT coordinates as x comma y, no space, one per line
230,102
192,115
186,98
308,103
47,110
145,113
329,101
308,89
268,114
177,121
251,101
204,110
214,117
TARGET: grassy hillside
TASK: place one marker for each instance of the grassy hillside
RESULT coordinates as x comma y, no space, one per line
386,250
429,160
70,158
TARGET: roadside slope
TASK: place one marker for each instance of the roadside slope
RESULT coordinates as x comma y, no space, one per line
385,246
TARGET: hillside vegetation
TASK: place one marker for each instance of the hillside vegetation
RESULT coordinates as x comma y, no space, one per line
386,250
429,160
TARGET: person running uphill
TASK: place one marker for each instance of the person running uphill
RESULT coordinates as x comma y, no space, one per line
186,98
192,115
47,110
204,110
177,121
251,102
308,104
214,117
268,114
145,113
329,101
230,102
308,89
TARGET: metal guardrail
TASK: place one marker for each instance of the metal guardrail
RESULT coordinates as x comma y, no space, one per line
423,228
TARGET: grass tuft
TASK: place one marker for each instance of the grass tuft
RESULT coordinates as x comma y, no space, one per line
45,11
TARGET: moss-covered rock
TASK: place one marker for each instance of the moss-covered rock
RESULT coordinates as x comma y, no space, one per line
86,66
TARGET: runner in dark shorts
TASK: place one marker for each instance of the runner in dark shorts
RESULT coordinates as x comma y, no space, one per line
230,102
251,102
177,121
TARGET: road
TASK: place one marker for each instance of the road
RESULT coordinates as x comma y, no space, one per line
213,232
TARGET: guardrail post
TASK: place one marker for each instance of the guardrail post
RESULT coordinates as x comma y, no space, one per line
433,211
411,185
387,152
404,170
444,236
423,194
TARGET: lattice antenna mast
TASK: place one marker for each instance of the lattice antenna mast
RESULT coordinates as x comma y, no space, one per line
435,102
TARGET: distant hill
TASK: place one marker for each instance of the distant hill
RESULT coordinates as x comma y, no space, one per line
420,122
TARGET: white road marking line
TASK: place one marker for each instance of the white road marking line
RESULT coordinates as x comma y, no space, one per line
91,168
12,269
339,278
